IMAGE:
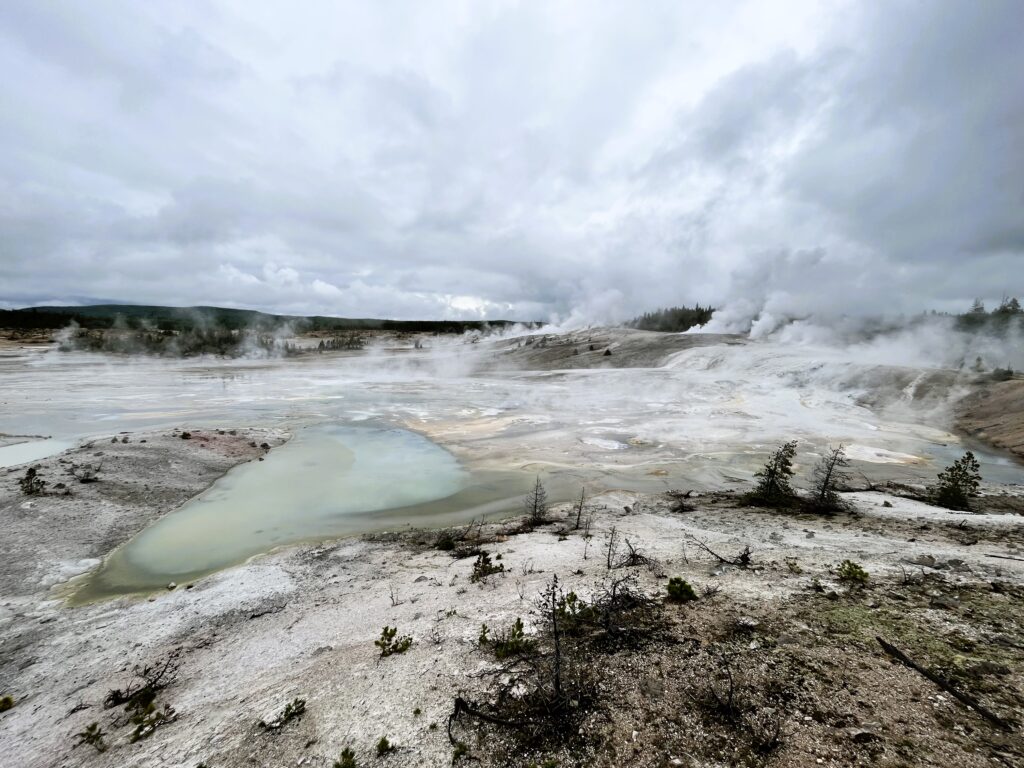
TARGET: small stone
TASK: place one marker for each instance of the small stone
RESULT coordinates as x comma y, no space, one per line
172,585
864,737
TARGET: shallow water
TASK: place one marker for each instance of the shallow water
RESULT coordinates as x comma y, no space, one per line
327,482
32,450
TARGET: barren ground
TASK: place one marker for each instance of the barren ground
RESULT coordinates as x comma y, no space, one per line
301,623
995,413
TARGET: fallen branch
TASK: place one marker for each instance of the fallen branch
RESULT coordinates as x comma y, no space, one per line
461,705
742,560
963,698
1007,557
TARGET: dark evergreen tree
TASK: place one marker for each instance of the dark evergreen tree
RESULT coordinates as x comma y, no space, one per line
828,473
958,483
773,485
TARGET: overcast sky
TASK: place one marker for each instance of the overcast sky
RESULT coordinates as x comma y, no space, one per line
519,160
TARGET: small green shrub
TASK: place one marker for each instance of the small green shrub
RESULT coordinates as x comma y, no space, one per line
139,698
384,746
680,591
484,567
460,751
346,760
147,718
513,642
851,573
390,644
6,702
293,710
417,712
484,638
93,736
574,614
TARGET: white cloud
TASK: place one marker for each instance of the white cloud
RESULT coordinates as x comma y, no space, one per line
569,160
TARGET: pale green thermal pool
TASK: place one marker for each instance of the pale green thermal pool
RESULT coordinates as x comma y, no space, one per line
327,482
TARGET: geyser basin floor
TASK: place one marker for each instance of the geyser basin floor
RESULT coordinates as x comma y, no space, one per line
329,481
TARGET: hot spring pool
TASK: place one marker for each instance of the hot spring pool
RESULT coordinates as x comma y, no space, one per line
328,481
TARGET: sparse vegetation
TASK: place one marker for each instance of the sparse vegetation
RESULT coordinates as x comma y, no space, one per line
347,759
390,644
92,735
347,341
139,698
147,718
293,710
6,703
31,483
735,689
512,642
483,567
851,574
958,483
548,686
680,591
384,747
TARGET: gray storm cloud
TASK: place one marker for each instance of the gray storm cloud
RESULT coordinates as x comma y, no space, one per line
579,162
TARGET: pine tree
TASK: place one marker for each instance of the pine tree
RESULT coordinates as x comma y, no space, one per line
828,473
958,483
774,484
537,504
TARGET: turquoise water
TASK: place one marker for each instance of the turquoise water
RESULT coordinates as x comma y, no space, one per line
329,481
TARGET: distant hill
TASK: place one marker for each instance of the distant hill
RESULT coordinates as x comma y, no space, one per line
137,316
